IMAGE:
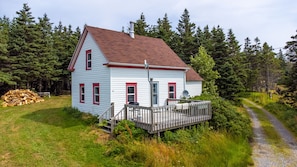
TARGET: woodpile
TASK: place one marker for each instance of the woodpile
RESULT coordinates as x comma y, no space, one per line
20,97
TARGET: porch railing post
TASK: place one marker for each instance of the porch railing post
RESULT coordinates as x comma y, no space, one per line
125,112
112,110
152,119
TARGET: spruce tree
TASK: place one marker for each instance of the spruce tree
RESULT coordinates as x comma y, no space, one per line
5,74
23,48
186,38
291,47
164,29
141,27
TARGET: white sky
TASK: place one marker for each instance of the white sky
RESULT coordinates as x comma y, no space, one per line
273,21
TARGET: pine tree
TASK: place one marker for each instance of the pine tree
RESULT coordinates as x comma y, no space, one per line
230,84
164,29
23,48
186,38
48,61
291,47
141,27
5,75
236,58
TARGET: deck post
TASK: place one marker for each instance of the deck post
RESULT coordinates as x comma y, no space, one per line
125,112
112,110
112,125
152,119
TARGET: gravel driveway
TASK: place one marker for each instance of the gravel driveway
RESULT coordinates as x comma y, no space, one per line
265,154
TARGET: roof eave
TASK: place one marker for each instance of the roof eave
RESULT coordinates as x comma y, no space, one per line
117,64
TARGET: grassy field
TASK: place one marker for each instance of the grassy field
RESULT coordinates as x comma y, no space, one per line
43,135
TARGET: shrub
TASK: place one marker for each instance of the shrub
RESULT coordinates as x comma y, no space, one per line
126,130
226,118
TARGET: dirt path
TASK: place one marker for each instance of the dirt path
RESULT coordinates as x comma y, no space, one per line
265,154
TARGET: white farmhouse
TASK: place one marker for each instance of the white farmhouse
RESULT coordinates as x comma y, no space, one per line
109,66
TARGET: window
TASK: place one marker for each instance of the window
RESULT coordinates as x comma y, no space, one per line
96,93
131,92
172,90
82,93
88,59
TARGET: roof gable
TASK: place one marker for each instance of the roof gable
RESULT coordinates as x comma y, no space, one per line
119,47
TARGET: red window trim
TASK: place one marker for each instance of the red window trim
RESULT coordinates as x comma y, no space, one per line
80,93
174,85
94,97
135,91
87,53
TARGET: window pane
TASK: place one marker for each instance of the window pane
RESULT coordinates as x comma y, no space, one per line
89,64
130,89
155,99
89,56
171,95
96,90
130,98
97,99
155,88
82,97
82,89
171,88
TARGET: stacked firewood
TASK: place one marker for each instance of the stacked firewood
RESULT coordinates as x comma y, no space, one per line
20,97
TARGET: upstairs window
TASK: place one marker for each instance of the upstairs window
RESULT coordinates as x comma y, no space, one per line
82,93
96,93
88,59
131,92
172,90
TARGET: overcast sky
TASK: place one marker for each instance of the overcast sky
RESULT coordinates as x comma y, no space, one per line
273,21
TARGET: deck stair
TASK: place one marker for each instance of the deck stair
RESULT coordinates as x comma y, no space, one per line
106,127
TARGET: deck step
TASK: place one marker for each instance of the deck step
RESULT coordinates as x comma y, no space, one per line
107,128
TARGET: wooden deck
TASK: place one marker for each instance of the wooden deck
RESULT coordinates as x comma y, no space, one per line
172,116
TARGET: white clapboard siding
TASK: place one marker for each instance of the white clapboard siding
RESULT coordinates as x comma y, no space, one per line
194,88
121,76
98,74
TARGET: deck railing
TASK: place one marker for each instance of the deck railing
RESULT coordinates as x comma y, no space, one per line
173,116
177,114
109,113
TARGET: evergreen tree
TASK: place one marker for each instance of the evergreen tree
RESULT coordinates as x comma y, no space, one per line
141,27
230,84
204,64
186,38
219,52
236,58
48,61
205,40
64,42
291,47
5,75
165,29
23,48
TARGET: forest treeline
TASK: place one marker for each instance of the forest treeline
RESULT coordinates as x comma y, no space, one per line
35,54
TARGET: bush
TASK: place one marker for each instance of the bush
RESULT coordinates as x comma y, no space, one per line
126,130
226,118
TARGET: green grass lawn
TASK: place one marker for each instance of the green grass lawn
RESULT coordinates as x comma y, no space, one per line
42,134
